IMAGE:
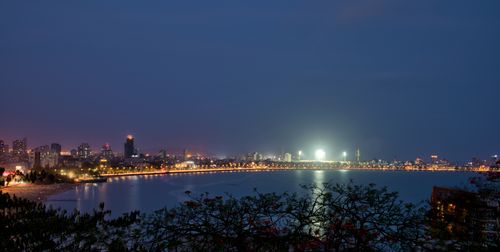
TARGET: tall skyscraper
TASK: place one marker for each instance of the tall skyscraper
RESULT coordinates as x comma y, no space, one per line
287,157
2,147
5,148
44,149
43,157
253,156
55,154
129,149
434,159
163,154
38,160
20,147
186,154
84,151
55,148
106,151
358,155
74,153
20,150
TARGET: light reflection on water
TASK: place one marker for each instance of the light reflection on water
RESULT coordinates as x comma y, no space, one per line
319,177
150,192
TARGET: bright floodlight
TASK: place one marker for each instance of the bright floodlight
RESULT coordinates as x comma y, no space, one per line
320,154
344,154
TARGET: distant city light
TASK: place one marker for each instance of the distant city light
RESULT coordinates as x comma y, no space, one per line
130,137
320,154
344,154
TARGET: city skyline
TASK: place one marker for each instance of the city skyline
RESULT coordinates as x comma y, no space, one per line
394,79
130,150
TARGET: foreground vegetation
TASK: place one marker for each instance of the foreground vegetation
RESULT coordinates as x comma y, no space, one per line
329,217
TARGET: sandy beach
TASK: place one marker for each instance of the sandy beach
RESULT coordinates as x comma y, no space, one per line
37,192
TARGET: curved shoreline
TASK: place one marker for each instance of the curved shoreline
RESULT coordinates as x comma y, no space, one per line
41,192
215,170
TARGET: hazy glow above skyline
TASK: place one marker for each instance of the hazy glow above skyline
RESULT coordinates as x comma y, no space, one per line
320,154
396,79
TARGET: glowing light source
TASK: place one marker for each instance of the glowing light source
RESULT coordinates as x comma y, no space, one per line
320,154
130,137
344,154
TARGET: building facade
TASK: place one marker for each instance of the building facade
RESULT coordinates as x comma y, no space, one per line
129,149
84,151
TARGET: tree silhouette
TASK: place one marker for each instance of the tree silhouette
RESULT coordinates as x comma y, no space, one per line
326,217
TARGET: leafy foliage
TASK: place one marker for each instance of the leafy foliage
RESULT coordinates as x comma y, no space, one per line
330,218
31,226
327,217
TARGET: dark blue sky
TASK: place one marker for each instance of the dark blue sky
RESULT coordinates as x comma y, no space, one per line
396,78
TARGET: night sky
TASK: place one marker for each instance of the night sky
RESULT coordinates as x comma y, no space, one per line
396,78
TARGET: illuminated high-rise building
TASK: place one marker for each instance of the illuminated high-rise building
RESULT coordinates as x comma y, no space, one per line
44,157
434,159
106,151
186,155
84,151
287,157
129,149
2,147
20,147
55,154
55,148
6,148
358,155
20,150
253,156
163,154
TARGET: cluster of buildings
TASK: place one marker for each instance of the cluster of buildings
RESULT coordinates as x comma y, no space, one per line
297,156
52,156
20,157
473,214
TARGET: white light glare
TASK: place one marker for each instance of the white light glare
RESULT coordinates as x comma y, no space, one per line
320,154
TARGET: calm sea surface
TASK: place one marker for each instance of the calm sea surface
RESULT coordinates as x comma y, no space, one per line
150,192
